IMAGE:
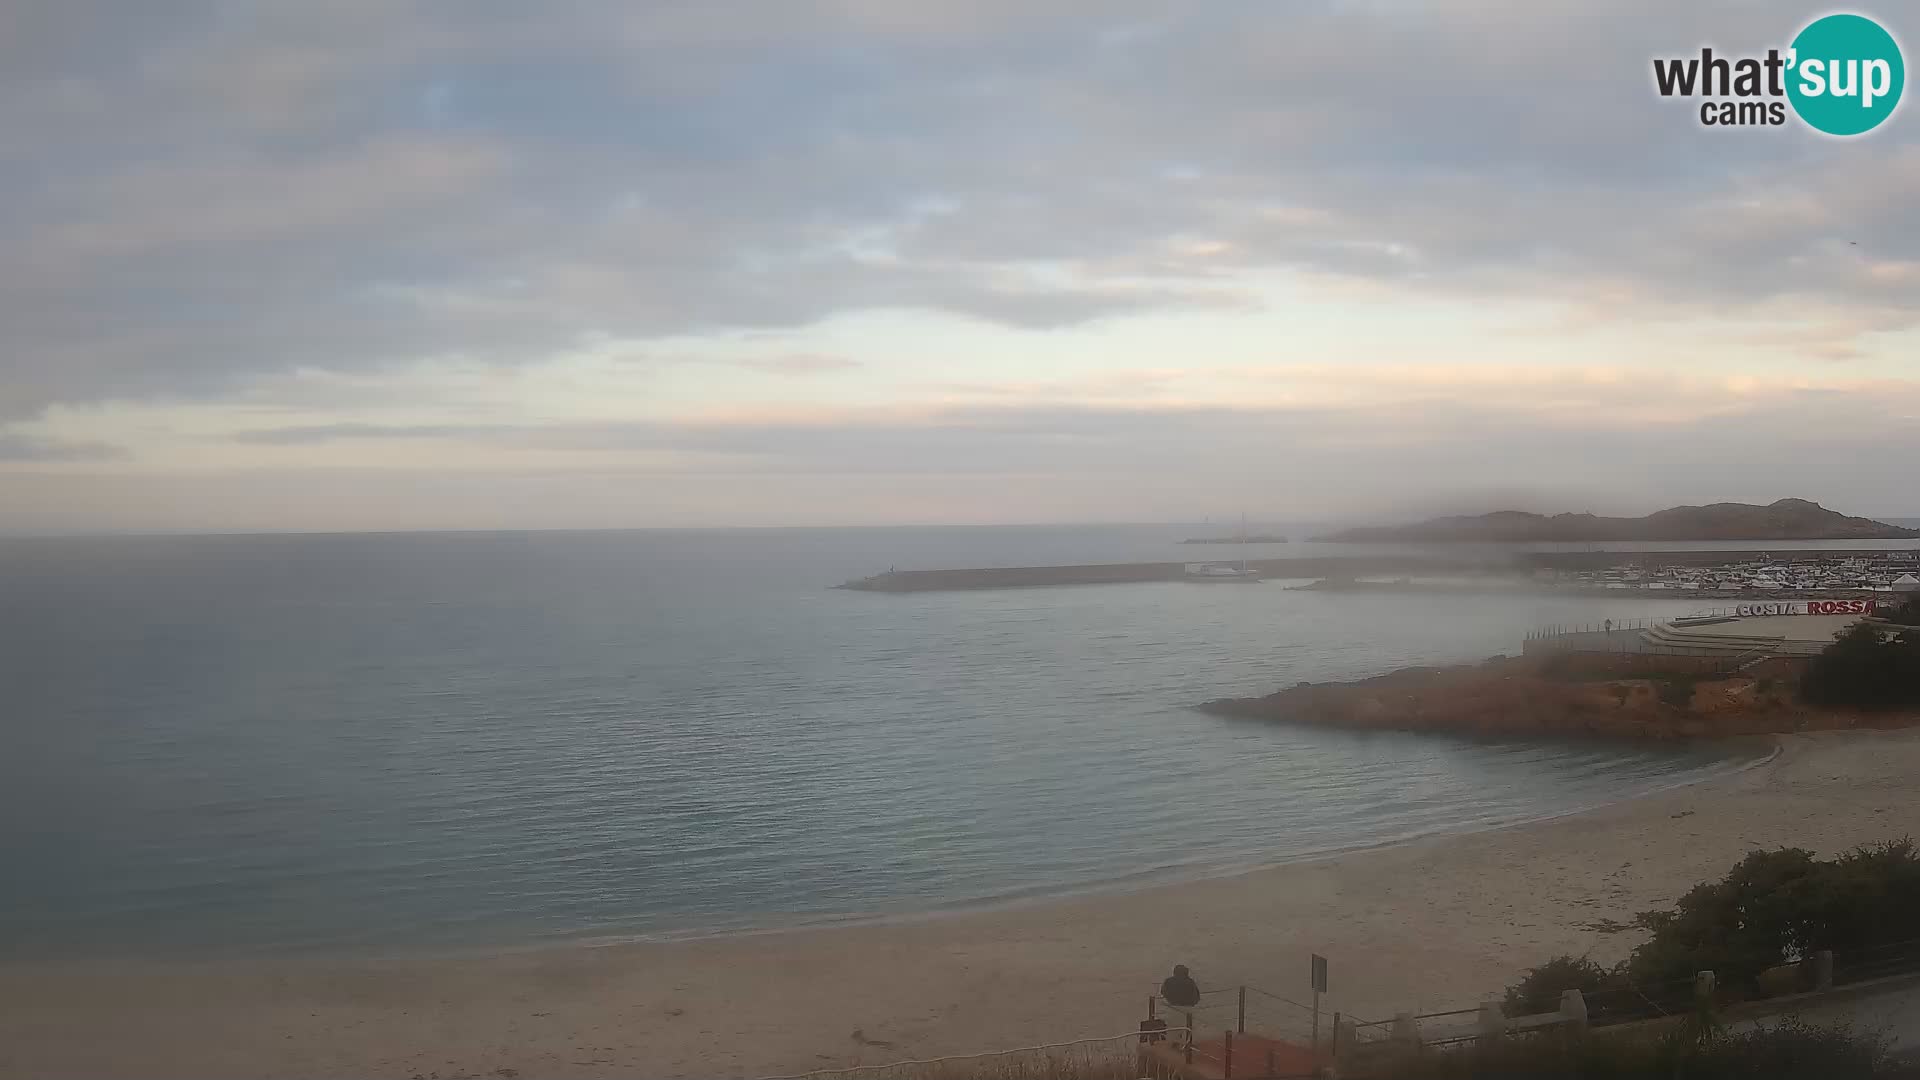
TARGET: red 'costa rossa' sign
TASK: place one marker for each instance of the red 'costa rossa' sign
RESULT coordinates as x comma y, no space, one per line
1839,607
1810,607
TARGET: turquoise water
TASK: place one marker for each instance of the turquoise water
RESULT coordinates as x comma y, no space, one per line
456,740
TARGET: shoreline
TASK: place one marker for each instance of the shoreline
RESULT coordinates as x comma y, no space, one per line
1174,876
1743,753
1431,923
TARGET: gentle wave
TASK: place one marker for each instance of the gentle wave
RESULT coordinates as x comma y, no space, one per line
450,741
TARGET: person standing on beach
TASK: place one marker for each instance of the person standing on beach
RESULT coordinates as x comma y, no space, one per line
1179,989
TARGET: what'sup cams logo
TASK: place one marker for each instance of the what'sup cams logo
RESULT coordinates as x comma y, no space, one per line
1842,75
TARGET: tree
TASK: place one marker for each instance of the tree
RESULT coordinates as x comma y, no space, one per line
1777,907
1773,907
1865,668
1753,919
1907,613
1539,990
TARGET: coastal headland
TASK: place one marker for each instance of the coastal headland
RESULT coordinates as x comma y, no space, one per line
1436,923
1624,694
1784,519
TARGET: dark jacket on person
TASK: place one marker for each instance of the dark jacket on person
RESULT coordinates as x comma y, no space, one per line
1180,990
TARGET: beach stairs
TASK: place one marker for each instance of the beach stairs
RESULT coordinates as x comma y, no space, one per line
1704,642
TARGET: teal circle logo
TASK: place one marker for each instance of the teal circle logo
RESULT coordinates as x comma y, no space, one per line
1846,74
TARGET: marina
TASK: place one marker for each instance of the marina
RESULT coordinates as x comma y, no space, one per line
1879,572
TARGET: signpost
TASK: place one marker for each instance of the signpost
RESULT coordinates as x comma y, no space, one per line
1319,987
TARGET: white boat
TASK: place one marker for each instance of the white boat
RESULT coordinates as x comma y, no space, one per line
1216,571
1225,571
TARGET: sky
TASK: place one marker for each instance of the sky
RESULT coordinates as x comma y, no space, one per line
378,264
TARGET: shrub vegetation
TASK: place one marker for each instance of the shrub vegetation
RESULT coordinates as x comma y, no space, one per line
1773,908
1867,668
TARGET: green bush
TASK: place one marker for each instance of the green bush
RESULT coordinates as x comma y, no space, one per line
1676,691
1864,668
1539,990
1773,907
1907,614
1736,927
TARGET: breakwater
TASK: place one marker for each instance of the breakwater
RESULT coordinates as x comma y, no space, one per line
1016,577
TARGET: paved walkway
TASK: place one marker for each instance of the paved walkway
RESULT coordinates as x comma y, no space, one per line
1893,1014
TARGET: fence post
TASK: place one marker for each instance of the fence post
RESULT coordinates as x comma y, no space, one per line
1573,1007
1150,1000
1703,990
1190,1035
1823,970
1405,1028
1226,1059
1240,1023
1346,1040
1493,1021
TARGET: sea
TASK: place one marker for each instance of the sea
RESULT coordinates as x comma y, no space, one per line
479,741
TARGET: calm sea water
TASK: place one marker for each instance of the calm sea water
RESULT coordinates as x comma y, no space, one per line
459,740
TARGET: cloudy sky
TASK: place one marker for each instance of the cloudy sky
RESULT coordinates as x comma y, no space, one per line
482,263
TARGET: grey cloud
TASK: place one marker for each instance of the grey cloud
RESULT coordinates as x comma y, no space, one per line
312,434
800,364
22,448
1863,433
1052,462
245,189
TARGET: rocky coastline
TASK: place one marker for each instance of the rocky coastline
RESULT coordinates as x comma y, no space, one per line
1567,695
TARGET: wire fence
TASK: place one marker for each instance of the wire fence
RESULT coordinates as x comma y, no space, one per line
1249,1032
1628,1003
1876,961
1554,630
1245,1009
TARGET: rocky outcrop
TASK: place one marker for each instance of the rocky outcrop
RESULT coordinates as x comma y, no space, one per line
1509,697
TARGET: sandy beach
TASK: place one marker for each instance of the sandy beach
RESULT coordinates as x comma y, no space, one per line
1429,925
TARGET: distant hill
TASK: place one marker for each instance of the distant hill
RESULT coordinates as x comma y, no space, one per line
1788,519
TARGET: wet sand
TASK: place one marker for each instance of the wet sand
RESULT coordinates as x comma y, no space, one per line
1430,925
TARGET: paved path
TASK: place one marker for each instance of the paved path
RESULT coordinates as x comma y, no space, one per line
1893,1014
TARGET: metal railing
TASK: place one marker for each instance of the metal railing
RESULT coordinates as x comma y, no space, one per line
1876,961
1242,1031
1553,630
1622,1003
